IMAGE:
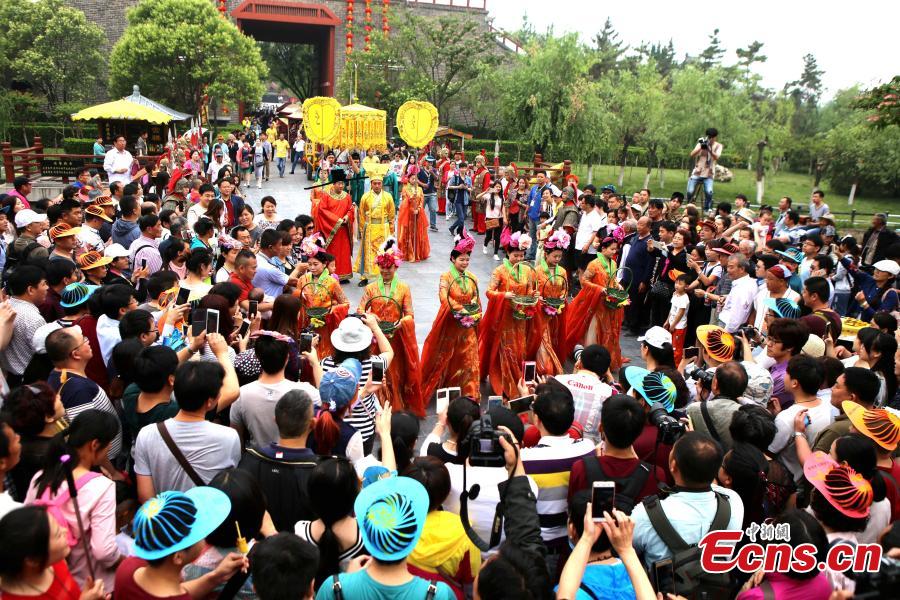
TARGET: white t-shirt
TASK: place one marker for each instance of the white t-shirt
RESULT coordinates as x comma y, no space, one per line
590,223
254,410
820,417
679,302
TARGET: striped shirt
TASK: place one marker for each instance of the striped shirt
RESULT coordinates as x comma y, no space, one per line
17,354
79,394
362,415
550,464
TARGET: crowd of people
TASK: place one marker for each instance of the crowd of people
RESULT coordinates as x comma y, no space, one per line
191,408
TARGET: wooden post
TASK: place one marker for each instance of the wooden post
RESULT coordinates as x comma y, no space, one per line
38,151
8,162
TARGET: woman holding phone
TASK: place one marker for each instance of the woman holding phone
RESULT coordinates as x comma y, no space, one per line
391,301
450,352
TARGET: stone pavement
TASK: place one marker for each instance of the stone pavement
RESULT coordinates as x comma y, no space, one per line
422,277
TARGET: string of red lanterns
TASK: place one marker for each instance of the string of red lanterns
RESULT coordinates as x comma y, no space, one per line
349,50
368,26
384,16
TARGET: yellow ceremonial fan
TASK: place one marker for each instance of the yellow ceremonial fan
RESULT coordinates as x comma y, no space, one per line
321,119
417,122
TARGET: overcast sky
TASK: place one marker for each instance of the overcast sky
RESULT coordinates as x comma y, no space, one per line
853,42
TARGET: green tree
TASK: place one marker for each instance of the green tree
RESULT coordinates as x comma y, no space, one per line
295,66
179,50
713,53
663,57
805,93
609,50
51,47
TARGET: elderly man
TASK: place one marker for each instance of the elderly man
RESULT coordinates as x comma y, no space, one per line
748,249
876,240
739,300
639,262
117,162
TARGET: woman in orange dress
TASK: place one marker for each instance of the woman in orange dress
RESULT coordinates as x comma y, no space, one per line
412,222
546,337
450,353
502,340
391,301
323,303
591,320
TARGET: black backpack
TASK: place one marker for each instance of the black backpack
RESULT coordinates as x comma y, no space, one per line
15,259
691,580
629,487
284,484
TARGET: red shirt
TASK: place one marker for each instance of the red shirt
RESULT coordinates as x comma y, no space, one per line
649,451
62,588
246,286
893,494
127,587
615,468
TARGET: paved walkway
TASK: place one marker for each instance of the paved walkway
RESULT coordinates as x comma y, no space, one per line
422,277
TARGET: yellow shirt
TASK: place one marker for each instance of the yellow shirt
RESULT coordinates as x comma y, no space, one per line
281,148
272,133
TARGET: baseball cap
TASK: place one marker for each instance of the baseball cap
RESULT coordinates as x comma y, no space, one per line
63,230
780,271
95,210
845,489
716,341
655,387
746,214
26,217
881,425
608,188
391,515
173,521
759,384
785,308
887,266
656,336
92,260
115,251
352,335
76,294
338,386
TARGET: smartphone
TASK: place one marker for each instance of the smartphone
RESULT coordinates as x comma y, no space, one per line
494,401
306,340
659,245
184,330
198,321
691,352
212,320
377,370
143,263
254,307
453,393
245,327
443,400
183,295
664,576
523,404
603,498
530,371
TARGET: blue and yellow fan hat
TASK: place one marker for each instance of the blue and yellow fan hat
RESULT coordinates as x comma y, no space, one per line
173,521
654,387
391,515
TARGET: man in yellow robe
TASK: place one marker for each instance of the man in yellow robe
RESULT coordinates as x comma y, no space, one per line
376,224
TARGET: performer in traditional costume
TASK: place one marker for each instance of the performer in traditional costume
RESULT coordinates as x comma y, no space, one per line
546,336
595,315
391,301
376,224
443,164
333,218
512,302
481,181
323,303
450,353
412,223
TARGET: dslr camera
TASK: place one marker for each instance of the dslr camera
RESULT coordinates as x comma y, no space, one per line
484,444
669,429
700,374
704,142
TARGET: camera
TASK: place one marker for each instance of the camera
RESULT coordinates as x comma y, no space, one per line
877,584
700,374
669,429
704,142
484,444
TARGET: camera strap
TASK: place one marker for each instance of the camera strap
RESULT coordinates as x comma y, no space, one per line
707,420
499,513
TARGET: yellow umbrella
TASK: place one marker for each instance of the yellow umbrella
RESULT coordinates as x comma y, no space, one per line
122,110
362,127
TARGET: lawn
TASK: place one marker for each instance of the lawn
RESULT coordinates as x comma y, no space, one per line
795,185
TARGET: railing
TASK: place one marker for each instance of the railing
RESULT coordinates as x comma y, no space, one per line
477,4
24,162
29,161
504,40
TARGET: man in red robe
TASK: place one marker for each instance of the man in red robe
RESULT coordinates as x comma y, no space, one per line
481,181
333,218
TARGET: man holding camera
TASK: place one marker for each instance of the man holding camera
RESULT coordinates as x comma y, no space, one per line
712,416
707,152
